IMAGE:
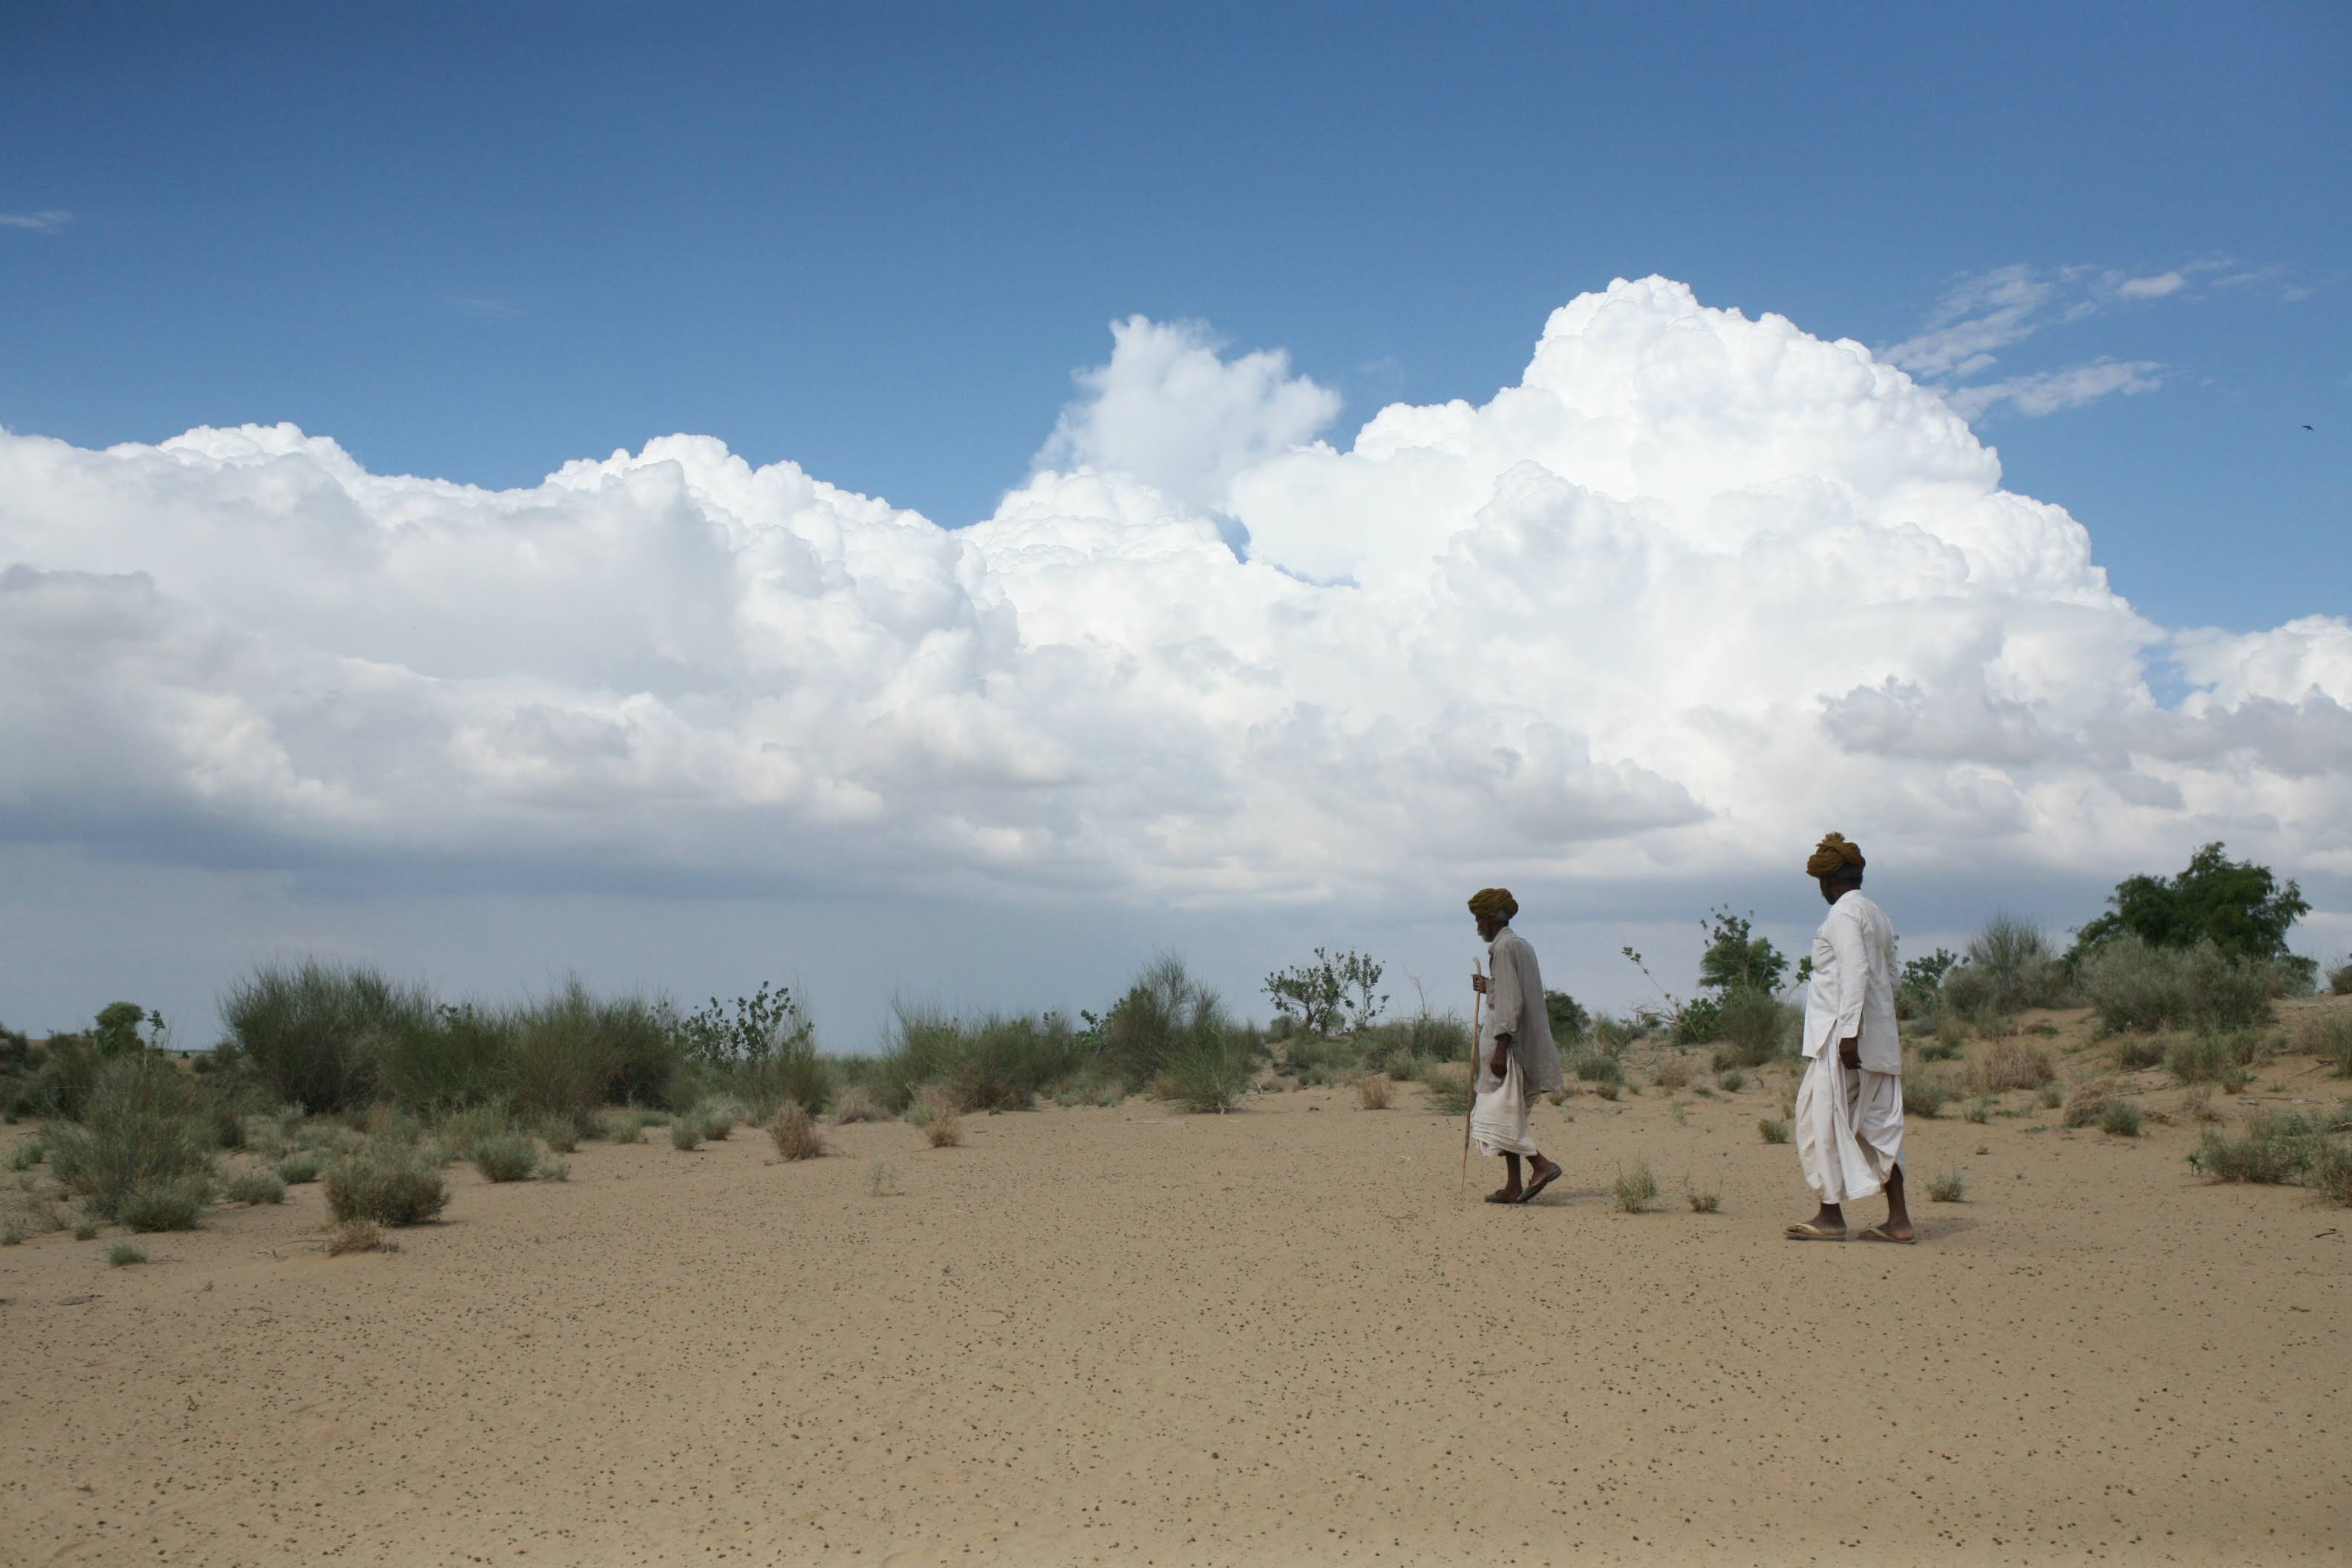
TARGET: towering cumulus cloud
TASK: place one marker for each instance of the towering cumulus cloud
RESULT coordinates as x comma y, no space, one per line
1696,586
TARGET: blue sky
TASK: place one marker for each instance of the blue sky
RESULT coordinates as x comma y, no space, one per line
887,243
473,242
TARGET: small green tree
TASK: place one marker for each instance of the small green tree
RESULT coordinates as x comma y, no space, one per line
2236,905
1317,998
1567,1019
1736,958
117,1031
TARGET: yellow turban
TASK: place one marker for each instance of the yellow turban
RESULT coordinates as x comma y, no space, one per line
1833,853
1496,902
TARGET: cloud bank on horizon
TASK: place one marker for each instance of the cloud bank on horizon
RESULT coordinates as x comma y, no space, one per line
1697,589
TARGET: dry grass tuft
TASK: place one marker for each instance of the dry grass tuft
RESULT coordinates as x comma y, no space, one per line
1772,1130
855,1102
2329,1038
1373,1092
1706,1200
1636,1189
2012,1062
2196,1105
1947,1187
942,1128
2087,1099
795,1135
124,1253
358,1236
2119,1119
1672,1073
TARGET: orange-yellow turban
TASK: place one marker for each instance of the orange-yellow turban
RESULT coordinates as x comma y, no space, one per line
1832,854
1496,902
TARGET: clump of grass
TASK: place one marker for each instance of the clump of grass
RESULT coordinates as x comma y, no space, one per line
2276,1147
1731,1082
2135,985
506,1157
1636,1189
1945,1043
1593,1066
313,1033
685,1133
942,1128
27,1155
1449,1088
1608,1088
2329,1038
123,1254
2339,979
1373,1092
1947,1187
1772,1130
855,1102
1209,1071
462,1131
1672,1073
2087,1099
1979,1110
2331,1172
553,1169
86,1230
388,1185
1702,1200
1924,1094
2010,1062
882,1179
359,1235
2132,1052
559,1133
11,1234
2119,1119
795,1135
175,1203
2051,1098
716,1118
2196,1105
625,1124
143,1126
2210,1058
300,1167
253,1187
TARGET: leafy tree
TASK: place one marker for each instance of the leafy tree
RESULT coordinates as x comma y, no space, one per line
1921,975
1567,1020
1736,958
116,1031
762,1028
2236,905
1316,996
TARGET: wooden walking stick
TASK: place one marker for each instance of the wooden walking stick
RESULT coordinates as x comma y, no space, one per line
1477,1000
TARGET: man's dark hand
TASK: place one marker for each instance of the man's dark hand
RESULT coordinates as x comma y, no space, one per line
1850,1051
1502,1054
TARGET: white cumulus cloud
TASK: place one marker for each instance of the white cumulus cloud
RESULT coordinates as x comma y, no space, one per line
1696,588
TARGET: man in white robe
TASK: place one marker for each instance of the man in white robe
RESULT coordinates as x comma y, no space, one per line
1517,1058
1850,1102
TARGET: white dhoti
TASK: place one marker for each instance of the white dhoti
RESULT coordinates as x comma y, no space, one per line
1498,1112
1849,1128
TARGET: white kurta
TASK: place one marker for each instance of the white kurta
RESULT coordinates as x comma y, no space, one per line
1849,1130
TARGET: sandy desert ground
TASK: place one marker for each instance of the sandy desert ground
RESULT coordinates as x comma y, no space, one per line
1127,1336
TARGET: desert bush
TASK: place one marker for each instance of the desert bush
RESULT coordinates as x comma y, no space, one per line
795,1135
143,1126
461,1132
2331,1172
718,1118
1947,1187
11,1234
2132,1052
358,1236
2009,966
1946,1042
553,1169
1594,1068
2209,1059
2009,1063
86,1230
123,1254
1609,1089
1772,1130
1612,1034
2276,1147
1924,1094
1319,997
1702,1200
559,1133
302,1165
1210,1072
2339,979
570,1052
1731,1082
685,1133
1635,1188
1979,1110
624,1124
882,1179
1755,1026
252,1187
995,1062
1672,1073
1373,1092
386,1184
457,1059
505,1156
2329,1038
2051,1098
942,1129
2133,985
2085,1101
1449,1088
313,1032
855,1102
27,1154
2119,1119
171,1203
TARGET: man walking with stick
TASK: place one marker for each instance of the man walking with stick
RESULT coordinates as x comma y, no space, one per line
1517,1058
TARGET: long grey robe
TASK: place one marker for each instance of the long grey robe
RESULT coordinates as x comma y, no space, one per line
1515,1007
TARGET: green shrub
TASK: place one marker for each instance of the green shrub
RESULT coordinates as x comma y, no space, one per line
460,1059
2134,1052
27,1155
1772,1130
1755,1026
462,1130
254,1187
87,1230
1594,1068
1399,1044
686,1134
1210,1072
123,1254
559,1133
2133,985
1945,1043
1608,1089
2119,1119
174,1203
625,1124
2277,1148
2339,979
505,1157
1924,1094
11,1234
1731,1082
2329,1038
568,1052
1449,1088
2009,967
144,1126
386,1185
1979,1110
1702,1200
2051,1098
314,1032
2209,1059
717,1119
1947,1187
1670,1074
1635,1188
301,1166
994,1062
2331,1172
1164,1014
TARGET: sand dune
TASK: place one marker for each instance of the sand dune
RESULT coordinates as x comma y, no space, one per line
1121,1335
